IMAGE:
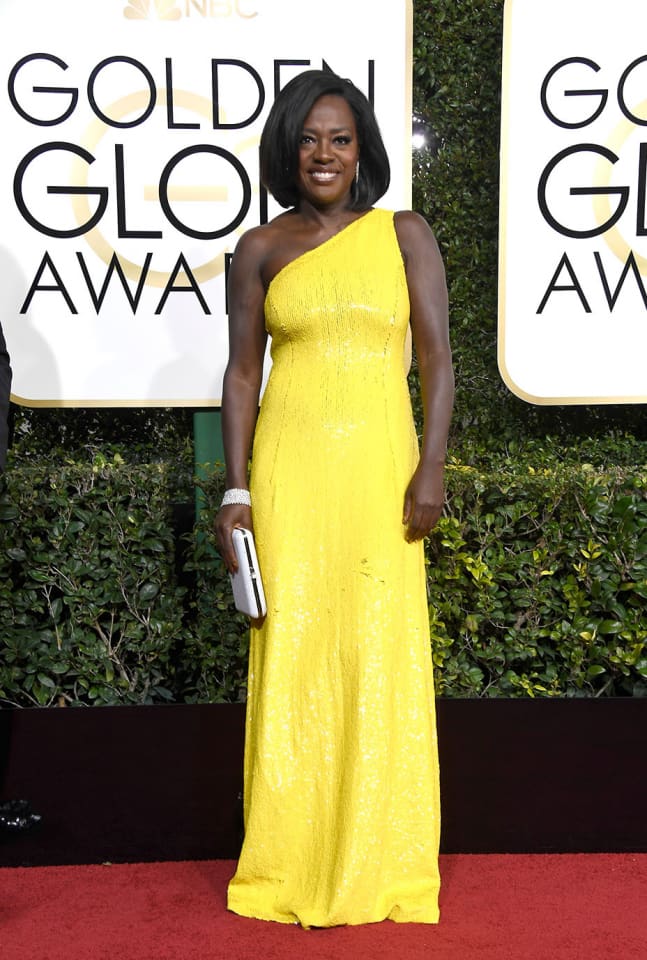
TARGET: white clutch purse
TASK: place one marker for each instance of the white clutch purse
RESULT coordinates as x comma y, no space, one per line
246,583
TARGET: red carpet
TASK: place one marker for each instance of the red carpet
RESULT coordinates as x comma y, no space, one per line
541,907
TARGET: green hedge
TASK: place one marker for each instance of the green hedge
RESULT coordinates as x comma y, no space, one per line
537,582
89,604
102,599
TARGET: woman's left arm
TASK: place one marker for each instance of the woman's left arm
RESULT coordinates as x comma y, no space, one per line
424,498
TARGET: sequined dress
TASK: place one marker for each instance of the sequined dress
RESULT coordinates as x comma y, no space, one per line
341,774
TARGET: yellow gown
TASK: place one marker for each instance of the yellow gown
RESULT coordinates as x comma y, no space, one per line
341,795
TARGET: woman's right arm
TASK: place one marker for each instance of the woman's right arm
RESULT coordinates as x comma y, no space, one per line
242,381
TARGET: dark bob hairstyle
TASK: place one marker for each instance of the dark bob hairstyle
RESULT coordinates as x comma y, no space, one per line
279,149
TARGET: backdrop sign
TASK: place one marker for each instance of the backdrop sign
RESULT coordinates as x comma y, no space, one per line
573,227
129,169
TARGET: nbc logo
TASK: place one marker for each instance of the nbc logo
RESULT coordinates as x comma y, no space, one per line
152,9
170,9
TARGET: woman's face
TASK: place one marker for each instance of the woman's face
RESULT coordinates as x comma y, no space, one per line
328,152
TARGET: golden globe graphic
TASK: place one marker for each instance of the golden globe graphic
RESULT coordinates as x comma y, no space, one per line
143,9
573,207
131,170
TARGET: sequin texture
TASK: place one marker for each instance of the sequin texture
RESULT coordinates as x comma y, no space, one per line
342,811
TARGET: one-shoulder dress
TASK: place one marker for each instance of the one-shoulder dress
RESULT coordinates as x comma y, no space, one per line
341,795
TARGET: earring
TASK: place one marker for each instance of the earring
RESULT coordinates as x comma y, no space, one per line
357,173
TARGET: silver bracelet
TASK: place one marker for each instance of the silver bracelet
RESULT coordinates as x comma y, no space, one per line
236,495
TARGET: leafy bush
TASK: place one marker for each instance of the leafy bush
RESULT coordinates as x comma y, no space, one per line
538,583
537,579
89,603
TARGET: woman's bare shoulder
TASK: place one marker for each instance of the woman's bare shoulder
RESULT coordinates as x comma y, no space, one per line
263,251
408,223
414,234
256,242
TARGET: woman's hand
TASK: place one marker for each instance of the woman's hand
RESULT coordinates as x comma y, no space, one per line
423,501
227,518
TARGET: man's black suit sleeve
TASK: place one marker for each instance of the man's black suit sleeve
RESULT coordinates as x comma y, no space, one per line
5,389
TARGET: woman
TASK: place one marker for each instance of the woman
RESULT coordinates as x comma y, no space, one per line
341,775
